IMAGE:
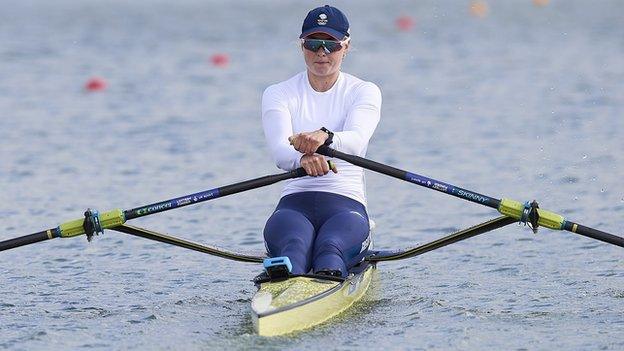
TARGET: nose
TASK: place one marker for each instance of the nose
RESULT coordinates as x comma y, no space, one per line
322,51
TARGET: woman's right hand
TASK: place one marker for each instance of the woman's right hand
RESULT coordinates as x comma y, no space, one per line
316,165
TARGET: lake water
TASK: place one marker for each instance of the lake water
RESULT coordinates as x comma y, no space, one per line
525,103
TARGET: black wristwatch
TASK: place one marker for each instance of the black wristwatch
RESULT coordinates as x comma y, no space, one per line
330,136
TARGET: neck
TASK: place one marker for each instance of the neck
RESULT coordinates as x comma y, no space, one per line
322,83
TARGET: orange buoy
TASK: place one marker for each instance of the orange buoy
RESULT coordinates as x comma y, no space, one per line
479,8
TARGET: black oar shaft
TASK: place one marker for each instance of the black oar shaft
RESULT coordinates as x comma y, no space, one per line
412,178
593,233
211,194
26,239
117,217
507,207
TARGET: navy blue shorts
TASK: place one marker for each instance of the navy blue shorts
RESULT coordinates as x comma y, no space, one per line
318,231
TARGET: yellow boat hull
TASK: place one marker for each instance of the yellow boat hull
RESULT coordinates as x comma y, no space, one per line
302,302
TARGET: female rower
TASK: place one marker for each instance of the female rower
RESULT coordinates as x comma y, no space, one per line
320,222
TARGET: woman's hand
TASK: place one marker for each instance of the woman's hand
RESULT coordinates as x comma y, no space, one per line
308,142
315,165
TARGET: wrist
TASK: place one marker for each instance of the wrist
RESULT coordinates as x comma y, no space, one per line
330,136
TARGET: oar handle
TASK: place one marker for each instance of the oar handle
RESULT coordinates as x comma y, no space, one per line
593,233
26,239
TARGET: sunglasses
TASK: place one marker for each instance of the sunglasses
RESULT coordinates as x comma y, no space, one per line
328,45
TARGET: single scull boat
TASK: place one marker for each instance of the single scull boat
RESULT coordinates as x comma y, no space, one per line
285,303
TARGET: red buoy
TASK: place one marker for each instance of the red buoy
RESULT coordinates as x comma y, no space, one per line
95,84
405,23
220,60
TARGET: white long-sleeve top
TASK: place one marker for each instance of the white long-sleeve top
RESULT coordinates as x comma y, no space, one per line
350,109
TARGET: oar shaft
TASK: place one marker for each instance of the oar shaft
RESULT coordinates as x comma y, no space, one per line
507,207
211,194
26,239
118,217
593,233
412,178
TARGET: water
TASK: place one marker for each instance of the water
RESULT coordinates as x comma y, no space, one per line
526,103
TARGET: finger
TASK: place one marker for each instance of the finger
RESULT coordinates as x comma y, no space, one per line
297,143
324,166
301,147
313,146
321,165
308,147
318,169
308,168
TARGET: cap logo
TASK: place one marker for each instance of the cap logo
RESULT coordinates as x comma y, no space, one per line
322,20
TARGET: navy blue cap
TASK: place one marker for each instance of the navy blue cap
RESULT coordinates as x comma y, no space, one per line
328,20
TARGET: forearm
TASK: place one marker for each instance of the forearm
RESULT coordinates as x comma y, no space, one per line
361,121
277,129
285,156
357,132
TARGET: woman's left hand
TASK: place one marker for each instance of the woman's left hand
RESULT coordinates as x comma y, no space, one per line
308,142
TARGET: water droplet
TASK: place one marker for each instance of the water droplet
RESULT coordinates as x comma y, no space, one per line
584,157
576,198
602,190
593,179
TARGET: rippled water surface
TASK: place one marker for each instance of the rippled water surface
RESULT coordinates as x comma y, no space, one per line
526,103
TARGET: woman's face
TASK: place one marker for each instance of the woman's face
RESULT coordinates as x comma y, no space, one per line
320,63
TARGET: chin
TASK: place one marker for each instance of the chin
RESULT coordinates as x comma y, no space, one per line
322,72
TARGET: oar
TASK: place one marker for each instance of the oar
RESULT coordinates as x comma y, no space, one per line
507,207
94,222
